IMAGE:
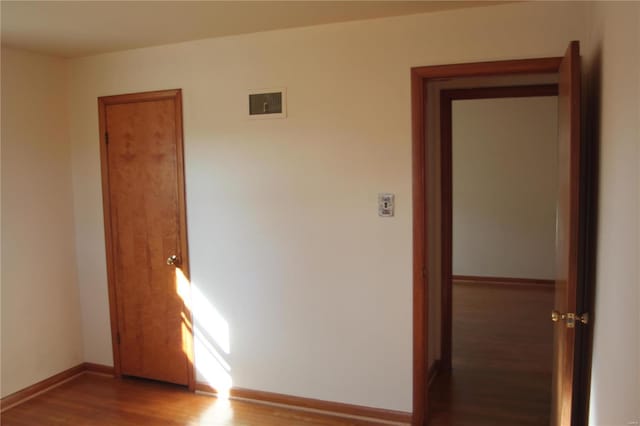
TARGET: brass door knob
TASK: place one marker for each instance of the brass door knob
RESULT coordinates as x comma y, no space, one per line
172,260
570,318
557,316
582,318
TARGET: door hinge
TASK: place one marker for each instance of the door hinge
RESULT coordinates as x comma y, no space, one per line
118,337
106,137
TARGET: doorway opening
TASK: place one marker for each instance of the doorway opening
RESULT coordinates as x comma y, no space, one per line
435,92
498,148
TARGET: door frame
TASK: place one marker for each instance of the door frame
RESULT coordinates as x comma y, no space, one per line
447,96
420,77
103,102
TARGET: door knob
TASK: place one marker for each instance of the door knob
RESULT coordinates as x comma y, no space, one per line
557,316
172,260
570,318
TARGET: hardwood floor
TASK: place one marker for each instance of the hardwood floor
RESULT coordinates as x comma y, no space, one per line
104,401
502,352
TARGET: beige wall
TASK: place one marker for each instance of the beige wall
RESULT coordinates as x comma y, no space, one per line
504,186
612,59
41,333
313,287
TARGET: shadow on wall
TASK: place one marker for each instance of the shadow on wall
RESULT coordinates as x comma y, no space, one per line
591,160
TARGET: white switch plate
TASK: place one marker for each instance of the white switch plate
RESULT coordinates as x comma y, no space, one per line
385,204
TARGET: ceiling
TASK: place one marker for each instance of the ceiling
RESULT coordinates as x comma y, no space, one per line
79,28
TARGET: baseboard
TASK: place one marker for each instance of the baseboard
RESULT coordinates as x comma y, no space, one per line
309,404
91,367
56,380
40,387
434,370
506,281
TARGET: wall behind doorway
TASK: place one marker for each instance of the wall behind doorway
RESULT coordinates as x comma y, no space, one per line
504,186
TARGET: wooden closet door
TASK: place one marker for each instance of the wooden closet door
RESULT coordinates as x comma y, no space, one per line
146,232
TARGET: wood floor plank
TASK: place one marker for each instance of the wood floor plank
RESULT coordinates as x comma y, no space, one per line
103,401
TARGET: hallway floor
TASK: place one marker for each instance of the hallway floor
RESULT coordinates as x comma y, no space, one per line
502,351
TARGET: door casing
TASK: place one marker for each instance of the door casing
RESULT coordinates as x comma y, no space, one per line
103,102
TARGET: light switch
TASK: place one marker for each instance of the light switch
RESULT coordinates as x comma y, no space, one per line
385,205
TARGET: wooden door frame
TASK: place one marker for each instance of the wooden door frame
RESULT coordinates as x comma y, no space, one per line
447,96
103,102
420,78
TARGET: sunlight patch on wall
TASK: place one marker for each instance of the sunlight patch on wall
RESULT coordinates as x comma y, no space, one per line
207,340
593,411
209,320
211,365
212,343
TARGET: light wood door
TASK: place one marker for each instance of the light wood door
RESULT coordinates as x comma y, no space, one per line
568,283
145,227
